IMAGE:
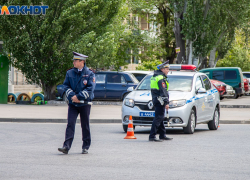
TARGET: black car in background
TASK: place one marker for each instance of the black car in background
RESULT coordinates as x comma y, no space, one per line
110,85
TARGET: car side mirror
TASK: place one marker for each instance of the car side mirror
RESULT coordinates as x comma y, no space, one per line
201,90
130,89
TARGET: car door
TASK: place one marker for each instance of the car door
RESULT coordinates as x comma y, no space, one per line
199,100
116,85
100,89
208,99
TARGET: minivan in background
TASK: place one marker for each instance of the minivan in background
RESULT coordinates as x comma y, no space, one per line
230,75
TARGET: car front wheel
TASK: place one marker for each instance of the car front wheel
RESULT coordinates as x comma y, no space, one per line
213,125
235,95
191,123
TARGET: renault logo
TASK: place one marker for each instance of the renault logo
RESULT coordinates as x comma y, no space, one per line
150,105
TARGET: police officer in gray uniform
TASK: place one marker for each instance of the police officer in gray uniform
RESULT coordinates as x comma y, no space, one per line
79,86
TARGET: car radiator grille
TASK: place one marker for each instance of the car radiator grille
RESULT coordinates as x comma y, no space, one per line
144,106
145,120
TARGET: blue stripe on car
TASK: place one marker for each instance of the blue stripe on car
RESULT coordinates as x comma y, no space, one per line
205,94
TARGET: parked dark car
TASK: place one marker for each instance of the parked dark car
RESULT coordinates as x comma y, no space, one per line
110,85
139,74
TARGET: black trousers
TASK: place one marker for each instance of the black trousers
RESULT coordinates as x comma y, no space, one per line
158,123
73,112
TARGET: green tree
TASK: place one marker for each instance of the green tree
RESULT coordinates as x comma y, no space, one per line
41,45
162,44
149,65
238,55
207,22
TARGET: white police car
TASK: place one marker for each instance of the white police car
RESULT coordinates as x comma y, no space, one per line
193,100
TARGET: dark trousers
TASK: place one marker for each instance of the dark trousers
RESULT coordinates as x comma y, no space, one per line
73,112
158,123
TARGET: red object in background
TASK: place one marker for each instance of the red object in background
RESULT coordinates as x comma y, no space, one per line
220,86
246,85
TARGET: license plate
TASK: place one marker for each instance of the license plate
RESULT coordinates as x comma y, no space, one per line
147,114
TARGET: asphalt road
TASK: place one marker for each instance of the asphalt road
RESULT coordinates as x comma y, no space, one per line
29,151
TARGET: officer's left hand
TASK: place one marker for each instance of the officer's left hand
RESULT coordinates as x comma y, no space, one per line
74,99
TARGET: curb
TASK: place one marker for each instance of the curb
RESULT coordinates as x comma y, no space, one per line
234,122
56,120
21,120
235,106
117,103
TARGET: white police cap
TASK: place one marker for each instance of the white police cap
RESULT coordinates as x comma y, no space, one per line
163,65
78,56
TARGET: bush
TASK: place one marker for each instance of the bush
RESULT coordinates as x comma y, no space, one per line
149,65
236,57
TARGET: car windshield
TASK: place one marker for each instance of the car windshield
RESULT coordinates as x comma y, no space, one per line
139,76
247,75
176,83
133,78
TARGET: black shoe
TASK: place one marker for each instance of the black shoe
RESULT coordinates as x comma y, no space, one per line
155,139
85,151
166,138
63,150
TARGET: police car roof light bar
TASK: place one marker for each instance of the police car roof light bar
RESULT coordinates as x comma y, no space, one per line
188,67
182,67
175,67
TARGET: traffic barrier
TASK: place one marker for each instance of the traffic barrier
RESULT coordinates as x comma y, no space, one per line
11,97
37,95
130,130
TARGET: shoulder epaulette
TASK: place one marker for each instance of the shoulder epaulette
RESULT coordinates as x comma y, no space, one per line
69,69
92,70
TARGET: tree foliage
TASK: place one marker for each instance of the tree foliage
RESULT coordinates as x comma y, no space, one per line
160,34
41,46
205,23
238,55
149,65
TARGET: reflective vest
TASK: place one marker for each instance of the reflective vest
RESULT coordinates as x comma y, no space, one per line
154,82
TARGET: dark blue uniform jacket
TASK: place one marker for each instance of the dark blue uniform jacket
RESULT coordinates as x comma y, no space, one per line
81,84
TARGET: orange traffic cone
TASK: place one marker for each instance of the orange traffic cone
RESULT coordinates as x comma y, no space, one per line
130,130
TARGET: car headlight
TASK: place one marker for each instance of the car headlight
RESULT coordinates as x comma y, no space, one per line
129,102
177,103
229,87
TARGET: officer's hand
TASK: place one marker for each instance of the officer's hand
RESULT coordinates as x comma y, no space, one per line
167,107
74,99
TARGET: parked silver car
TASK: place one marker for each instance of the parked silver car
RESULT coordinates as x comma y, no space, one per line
193,100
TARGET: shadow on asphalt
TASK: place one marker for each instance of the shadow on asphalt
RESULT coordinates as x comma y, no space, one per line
143,130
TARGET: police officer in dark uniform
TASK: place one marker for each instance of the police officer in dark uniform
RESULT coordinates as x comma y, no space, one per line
159,90
79,86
